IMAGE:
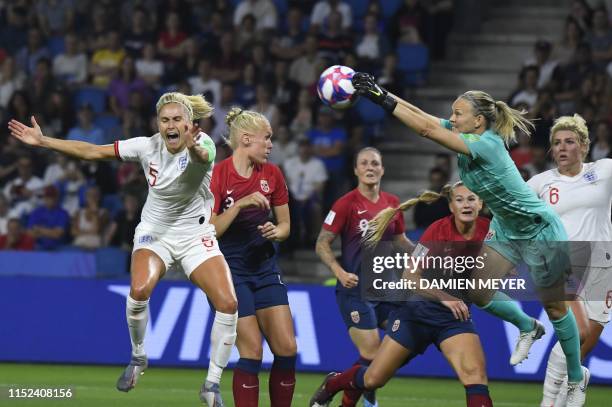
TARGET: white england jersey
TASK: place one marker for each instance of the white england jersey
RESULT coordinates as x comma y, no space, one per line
179,187
583,202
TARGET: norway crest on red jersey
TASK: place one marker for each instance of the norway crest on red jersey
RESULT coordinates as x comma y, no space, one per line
264,185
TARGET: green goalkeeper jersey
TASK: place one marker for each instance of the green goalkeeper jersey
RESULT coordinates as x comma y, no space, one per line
490,173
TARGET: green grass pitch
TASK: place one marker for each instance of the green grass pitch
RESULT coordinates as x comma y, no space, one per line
95,386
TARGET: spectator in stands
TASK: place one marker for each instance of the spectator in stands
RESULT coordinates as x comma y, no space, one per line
542,59
90,222
334,43
329,139
14,238
106,61
21,191
521,154
372,45
227,100
121,231
444,162
149,67
285,147
58,113
410,17
572,78
14,31
187,66
49,223
564,51
306,69
264,12
390,77
4,214
602,147
582,13
426,214
303,119
289,42
285,89
228,64
527,91
85,130
41,84
439,23
70,67
124,84
55,17
28,56
306,177
322,10
600,38
138,34
246,86
11,80
170,42
264,105
70,185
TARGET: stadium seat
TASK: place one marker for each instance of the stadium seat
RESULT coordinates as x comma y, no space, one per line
110,124
413,62
359,8
55,45
112,203
95,97
368,112
390,7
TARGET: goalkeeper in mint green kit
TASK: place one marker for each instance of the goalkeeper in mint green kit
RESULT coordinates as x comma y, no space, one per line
523,227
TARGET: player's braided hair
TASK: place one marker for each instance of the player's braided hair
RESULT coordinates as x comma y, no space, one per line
501,117
378,225
577,124
195,105
238,120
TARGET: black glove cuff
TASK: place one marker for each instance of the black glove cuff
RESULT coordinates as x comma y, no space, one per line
388,103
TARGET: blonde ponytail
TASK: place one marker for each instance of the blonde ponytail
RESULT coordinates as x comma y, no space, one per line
378,225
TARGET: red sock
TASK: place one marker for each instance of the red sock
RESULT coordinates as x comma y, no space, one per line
343,381
245,387
282,381
477,395
351,396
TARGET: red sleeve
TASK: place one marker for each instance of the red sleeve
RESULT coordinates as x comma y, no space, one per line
280,195
337,216
215,184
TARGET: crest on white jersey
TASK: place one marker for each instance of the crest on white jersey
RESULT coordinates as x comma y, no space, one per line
264,185
590,176
182,163
396,325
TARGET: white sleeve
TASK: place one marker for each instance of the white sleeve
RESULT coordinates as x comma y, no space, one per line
535,184
131,149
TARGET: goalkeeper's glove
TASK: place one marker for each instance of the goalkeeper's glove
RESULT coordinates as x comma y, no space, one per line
365,85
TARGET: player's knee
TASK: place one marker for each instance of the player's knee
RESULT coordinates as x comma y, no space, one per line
555,310
472,373
140,292
227,305
249,349
373,380
286,348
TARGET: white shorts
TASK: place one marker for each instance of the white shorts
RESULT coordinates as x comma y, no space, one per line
189,247
596,294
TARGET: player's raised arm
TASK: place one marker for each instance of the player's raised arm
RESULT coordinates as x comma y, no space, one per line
33,136
423,123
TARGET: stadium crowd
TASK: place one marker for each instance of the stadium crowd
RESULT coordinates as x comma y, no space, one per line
91,70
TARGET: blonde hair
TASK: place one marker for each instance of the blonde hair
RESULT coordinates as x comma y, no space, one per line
575,123
380,223
196,106
501,117
239,120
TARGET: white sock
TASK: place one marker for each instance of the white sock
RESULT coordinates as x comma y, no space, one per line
556,370
222,339
137,313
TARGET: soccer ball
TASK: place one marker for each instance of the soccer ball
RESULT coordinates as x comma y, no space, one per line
335,88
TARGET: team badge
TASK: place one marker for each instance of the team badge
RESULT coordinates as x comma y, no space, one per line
590,176
395,326
490,234
182,163
145,239
264,185
355,316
